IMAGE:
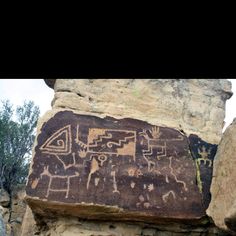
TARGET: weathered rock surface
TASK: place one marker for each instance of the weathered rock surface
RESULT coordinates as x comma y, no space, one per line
74,227
84,163
195,105
2,224
17,211
4,198
222,208
28,224
125,169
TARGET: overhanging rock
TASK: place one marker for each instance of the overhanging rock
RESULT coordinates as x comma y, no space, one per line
124,169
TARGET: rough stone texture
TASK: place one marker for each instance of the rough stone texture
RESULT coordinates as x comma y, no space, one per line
28,224
13,228
2,224
142,172
4,198
18,211
222,208
195,105
74,226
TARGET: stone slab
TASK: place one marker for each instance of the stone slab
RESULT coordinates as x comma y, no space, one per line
97,168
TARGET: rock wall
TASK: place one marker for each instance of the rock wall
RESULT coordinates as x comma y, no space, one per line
223,204
13,227
196,106
137,152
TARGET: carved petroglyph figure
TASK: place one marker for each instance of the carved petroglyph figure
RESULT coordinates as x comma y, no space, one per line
132,184
96,181
134,172
154,142
166,196
59,143
143,201
67,166
100,141
204,156
174,175
93,168
61,178
113,174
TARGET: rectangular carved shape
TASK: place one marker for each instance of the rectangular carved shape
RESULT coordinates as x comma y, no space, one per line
136,169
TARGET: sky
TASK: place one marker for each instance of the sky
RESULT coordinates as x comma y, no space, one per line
19,90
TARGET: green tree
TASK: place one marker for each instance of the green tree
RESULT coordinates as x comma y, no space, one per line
17,134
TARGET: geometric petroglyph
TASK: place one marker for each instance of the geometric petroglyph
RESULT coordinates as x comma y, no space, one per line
128,163
58,143
108,142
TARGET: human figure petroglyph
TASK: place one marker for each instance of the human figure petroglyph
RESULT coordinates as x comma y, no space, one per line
153,143
204,156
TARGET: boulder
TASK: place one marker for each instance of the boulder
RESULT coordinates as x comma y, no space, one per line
114,152
126,169
222,208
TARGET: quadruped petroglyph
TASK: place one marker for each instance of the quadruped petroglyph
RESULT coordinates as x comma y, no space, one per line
127,163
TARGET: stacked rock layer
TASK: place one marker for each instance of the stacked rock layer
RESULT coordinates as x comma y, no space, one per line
128,150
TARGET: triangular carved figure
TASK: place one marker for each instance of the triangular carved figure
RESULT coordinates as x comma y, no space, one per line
58,143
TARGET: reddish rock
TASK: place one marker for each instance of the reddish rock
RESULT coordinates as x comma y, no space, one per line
126,169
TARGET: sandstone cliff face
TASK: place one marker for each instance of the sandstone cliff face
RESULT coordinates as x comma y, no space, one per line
194,105
94,127
13,228
222,207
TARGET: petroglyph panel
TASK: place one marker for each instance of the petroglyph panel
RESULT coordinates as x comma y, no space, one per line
140,168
